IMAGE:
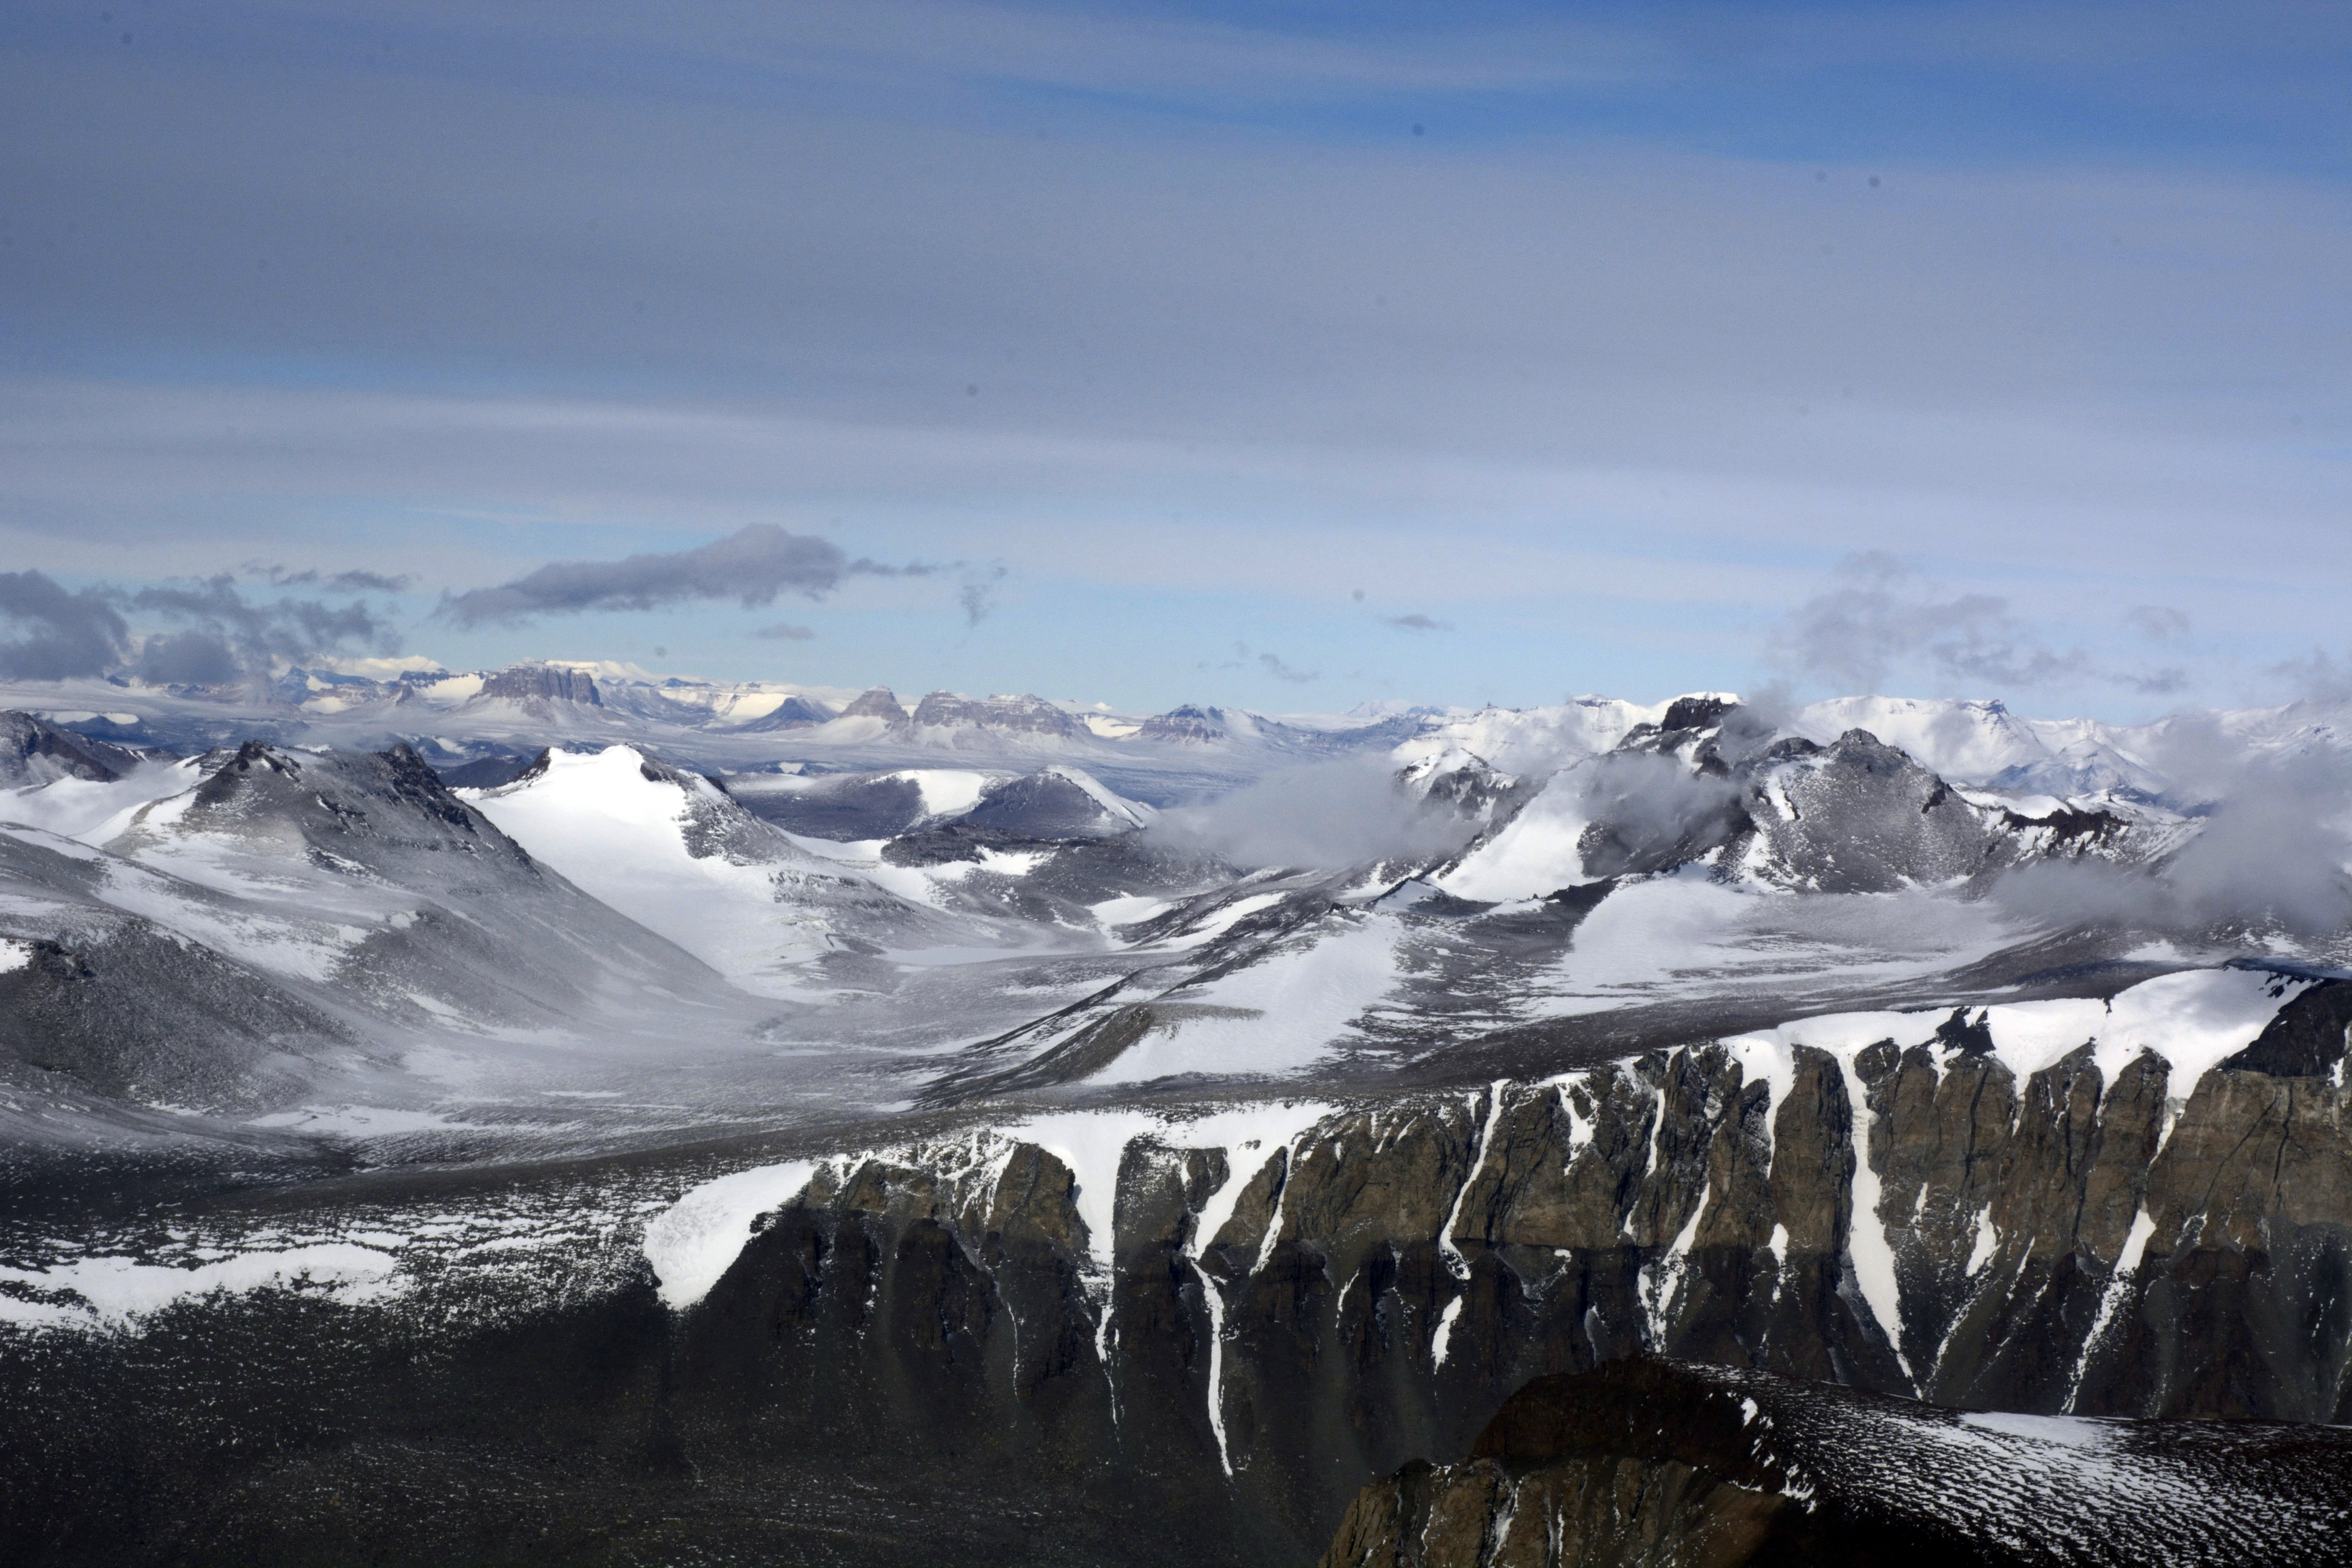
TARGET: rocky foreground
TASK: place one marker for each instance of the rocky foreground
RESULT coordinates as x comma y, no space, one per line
1672,1465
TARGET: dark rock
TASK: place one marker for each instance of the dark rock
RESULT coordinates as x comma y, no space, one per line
1670,1464
33,751
877,702
2306,1038
540,682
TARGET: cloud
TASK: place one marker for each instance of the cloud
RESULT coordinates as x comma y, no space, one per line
1875,620
225,635
1281,671
784,631
2164,682
1419,624
751,566
2273,837
2320,678
978,595
1853,632
2158,623
62,635
188,659
1323,814
353,582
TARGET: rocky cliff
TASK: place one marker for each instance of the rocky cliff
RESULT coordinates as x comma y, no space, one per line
1266,1325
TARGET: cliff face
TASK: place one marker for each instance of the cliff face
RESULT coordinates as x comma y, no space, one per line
1266,1326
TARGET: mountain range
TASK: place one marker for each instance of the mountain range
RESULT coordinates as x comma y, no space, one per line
1148,1137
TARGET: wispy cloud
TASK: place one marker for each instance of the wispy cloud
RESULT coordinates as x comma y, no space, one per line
1274,666
1875,620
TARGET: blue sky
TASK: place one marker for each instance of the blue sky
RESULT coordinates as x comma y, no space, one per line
1284,356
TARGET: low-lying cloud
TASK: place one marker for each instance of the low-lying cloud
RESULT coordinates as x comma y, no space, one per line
2273,840
1323,814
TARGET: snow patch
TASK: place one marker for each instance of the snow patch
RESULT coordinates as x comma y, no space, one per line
115,1291
693,1242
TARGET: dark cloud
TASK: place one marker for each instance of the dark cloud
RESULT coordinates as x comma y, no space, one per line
188,659
224,635
1419,624
1871,618
60,635
1281,671
751,566
784,631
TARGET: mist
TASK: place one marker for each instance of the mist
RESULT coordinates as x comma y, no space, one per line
1326,815
2271,841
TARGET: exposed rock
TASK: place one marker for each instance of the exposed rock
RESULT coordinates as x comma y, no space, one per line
791,714
877,702
540,682
2307,1038
1197,725
1670,1464
33,751
1005,715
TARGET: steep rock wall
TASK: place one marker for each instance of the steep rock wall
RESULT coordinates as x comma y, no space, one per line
1268,1327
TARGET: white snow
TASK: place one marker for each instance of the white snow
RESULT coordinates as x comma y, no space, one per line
693,1242
73,808
114,1291
2072,1431
14,954
359,1121
2192,1019
1224,919
1866,1243
1531,741
1535,853
1987,1240
948,792
1280,1014
1128,909
1443,1340
1492,1112
621,837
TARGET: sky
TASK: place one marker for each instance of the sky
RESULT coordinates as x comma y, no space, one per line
1287,356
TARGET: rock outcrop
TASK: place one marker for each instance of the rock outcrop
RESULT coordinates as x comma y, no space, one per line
529,683
1670,1464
